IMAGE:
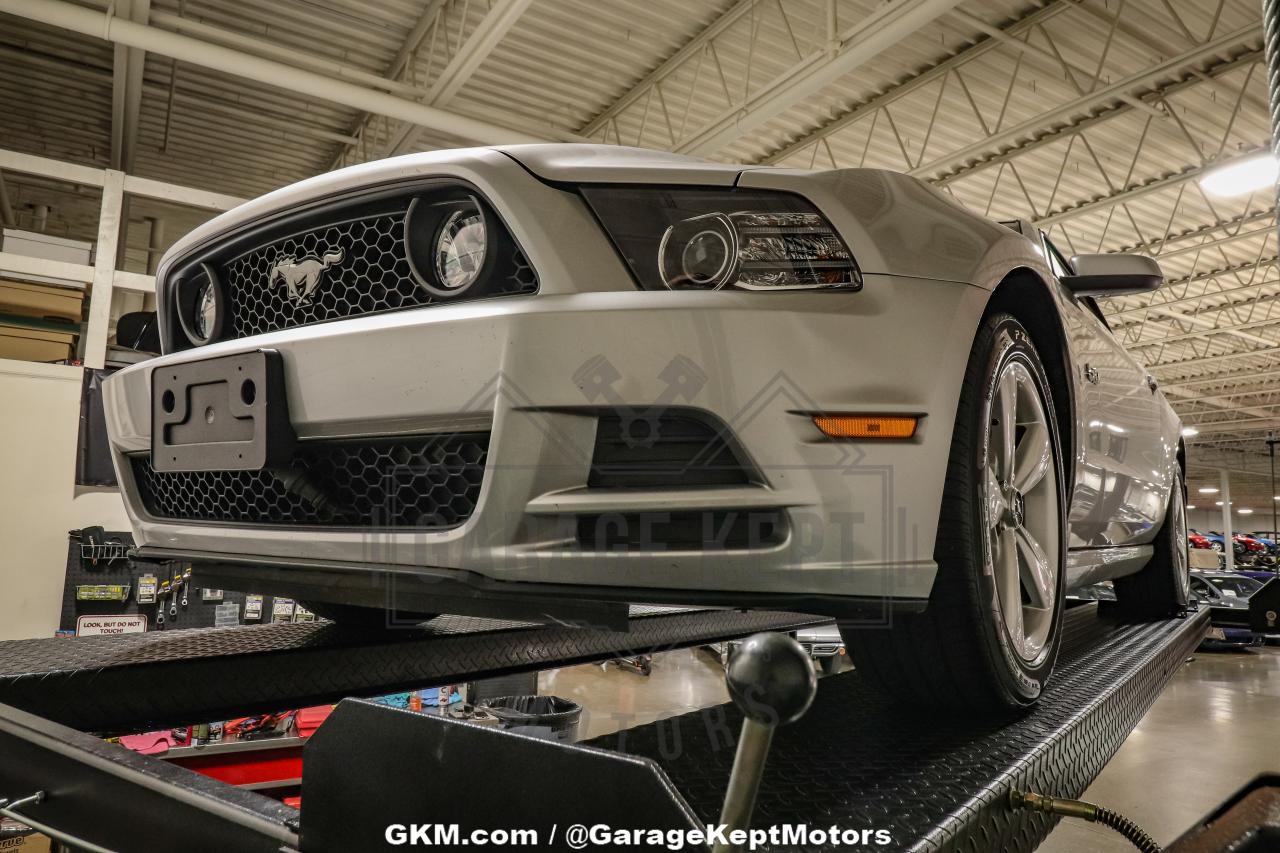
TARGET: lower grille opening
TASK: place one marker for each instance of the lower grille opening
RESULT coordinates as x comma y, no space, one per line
668,449
427,482
714,530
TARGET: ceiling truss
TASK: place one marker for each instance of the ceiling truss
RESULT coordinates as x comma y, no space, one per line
1094,119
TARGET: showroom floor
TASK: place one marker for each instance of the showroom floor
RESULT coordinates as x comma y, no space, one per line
1212,729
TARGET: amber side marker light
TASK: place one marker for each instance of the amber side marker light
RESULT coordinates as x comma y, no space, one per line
867,426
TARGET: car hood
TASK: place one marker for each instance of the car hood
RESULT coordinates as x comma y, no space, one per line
615,164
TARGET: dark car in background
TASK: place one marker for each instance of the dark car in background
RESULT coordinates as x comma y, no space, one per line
1227,595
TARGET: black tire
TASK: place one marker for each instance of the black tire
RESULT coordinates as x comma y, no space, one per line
1162,588
957,652
355,616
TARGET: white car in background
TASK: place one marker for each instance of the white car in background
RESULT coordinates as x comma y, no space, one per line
474,380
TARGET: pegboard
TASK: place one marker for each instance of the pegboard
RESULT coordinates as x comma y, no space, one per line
197,614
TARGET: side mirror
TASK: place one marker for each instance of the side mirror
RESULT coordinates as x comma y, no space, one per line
139,330
1113,275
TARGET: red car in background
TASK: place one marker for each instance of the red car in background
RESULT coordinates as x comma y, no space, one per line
1197,540
1251,545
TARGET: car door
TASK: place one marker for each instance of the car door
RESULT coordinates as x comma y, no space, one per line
1122,482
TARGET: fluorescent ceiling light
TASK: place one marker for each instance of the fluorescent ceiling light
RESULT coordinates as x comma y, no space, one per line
1187,432
1191,506
1210,490
1245,511
1241,176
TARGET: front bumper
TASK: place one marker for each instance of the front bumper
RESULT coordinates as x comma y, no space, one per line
861,517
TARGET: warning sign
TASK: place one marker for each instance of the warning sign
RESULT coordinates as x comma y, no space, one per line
94,626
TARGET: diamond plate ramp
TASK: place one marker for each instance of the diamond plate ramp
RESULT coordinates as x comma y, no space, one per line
137,682
936,782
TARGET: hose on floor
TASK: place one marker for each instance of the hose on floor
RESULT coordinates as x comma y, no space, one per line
1086,811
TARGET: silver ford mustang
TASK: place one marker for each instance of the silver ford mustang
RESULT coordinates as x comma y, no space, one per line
549,379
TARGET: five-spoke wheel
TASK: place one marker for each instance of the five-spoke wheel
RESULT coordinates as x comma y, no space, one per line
1022,510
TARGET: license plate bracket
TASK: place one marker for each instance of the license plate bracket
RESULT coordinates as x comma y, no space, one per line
227,413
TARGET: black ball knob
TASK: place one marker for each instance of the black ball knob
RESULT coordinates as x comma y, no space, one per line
771,679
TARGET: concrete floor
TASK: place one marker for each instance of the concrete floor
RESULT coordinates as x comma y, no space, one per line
1215,727
614,698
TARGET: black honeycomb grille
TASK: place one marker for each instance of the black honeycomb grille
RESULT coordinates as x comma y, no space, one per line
372,275
431,482
665,450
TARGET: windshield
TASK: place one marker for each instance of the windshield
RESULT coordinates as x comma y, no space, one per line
1242,587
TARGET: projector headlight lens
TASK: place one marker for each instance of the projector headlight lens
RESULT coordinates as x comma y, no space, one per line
698,239
699,253
460,250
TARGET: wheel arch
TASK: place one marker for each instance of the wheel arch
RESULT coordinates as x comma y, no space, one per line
1025,295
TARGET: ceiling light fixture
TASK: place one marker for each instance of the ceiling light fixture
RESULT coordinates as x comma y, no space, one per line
1187,432
1241,176
1210,490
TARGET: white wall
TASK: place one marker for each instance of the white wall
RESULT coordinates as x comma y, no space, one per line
39,422
1210,518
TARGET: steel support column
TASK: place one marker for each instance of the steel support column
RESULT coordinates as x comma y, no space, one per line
1228,543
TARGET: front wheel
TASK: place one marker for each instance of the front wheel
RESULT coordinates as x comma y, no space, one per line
1163,587
989,636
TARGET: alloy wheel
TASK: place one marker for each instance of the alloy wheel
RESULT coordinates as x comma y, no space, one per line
1021,507
1181,557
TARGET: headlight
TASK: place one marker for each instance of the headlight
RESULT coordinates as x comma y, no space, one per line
200,305
701,239
700,252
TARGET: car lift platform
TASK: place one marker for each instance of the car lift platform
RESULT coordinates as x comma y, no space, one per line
139,682
935,781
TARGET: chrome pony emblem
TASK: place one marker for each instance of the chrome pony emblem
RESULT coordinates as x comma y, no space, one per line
303,276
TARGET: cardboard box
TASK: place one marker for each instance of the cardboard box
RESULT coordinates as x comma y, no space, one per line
33,843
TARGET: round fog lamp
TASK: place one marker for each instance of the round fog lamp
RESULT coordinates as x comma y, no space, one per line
460,250
199,305
206,311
